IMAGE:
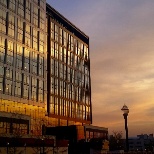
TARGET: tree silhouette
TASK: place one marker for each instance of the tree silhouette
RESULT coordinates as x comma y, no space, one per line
116,142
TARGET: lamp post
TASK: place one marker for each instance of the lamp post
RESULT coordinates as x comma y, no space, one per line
43,145
125,114
7,147
25,147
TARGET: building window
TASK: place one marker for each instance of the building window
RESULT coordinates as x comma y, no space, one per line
41,66
34,89
1,70
3,21
11,25
25,91
56,32
27,35
34,67
18,76
1,84
8,86
35,16
26,79
9,73
35,43
3,2
2,49
40,98
19,61
26,64
42,3
21,8
34,93
12,5
28,11
20,35
18,89
9,57
20,30
19,56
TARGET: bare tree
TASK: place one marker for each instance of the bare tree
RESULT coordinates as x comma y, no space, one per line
116,142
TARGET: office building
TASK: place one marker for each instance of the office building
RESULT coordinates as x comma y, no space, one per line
25,67
44,70
143,142
69,89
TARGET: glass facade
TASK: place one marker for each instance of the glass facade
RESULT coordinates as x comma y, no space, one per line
69,75
23,64
44,69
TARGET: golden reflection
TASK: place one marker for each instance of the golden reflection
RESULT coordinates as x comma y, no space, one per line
36,114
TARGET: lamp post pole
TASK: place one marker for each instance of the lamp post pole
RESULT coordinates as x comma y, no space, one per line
7,147
126,111
25,147
43,145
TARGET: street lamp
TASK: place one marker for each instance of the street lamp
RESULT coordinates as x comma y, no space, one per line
43,145
126,111
7,147
25,147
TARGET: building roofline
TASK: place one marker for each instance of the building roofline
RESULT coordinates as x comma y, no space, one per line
95,127
55,12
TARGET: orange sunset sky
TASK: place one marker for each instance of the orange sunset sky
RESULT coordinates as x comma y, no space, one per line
121,36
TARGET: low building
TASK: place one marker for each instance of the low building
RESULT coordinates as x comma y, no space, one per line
82,139
143,142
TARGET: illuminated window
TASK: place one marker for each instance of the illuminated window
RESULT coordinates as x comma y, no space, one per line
34,56
9,73
8,86
26,64
26,53
41,47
